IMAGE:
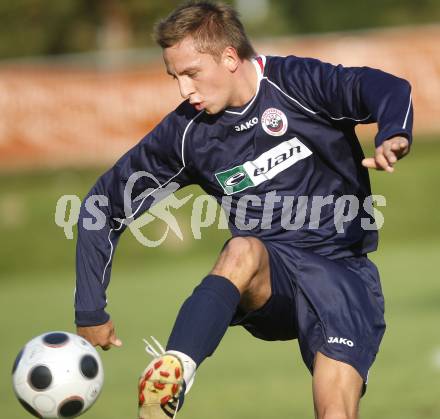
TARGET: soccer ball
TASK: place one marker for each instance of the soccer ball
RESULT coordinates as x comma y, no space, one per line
57,375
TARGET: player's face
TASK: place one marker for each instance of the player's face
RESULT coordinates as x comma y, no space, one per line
207,83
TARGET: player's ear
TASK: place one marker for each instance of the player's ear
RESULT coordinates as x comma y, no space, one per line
230,59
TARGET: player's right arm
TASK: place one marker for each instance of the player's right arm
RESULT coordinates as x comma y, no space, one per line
148,167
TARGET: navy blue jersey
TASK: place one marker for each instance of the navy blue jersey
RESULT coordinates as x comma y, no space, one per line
295,138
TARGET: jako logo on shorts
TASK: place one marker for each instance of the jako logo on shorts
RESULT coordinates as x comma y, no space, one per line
264,167
342,341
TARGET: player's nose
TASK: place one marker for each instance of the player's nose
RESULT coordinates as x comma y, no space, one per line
186,88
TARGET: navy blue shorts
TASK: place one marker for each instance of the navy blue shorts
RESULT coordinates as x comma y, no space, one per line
335,307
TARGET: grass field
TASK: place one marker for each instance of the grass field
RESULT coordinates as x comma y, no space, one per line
246,378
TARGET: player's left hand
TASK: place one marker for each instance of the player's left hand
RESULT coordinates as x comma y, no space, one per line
387,154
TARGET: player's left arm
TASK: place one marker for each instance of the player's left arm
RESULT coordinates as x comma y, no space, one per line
387,98
369,95
353,95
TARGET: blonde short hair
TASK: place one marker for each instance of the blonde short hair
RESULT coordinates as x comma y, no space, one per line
213,27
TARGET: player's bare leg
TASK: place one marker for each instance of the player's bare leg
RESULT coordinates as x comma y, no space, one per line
336,389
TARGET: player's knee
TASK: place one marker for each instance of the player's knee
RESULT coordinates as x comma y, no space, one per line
244,253
241,260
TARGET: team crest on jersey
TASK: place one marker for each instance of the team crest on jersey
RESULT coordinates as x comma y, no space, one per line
274,122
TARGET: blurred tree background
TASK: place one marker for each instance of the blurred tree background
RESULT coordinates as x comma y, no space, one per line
51,27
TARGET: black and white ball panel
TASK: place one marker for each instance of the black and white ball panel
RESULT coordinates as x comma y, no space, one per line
40,377
55,339
71,407
89,366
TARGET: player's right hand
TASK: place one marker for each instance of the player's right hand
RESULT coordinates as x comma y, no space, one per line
102,335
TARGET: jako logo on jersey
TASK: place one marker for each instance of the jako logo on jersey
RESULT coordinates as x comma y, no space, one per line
274,122
342,341
264,167
247,125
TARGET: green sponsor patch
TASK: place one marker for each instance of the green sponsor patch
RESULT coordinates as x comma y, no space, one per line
234,180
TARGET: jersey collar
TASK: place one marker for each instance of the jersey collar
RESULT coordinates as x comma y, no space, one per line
259,63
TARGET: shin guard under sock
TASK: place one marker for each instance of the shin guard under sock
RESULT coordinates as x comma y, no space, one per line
204,317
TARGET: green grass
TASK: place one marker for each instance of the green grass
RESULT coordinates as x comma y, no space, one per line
246,378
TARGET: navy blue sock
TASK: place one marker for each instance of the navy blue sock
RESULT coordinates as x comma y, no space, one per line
204,317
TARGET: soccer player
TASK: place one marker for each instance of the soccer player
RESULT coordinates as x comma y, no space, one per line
276,136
